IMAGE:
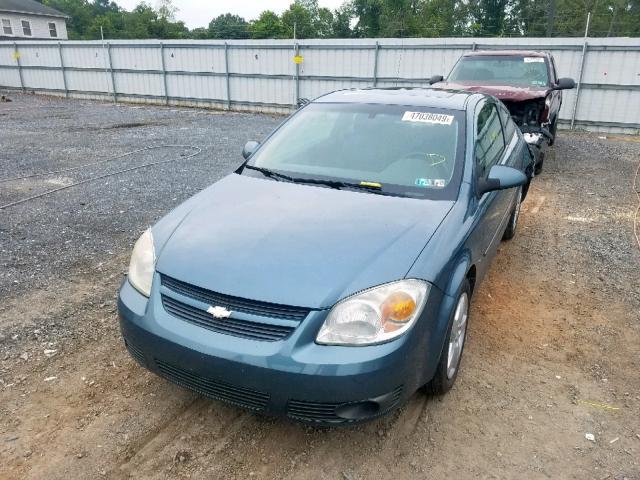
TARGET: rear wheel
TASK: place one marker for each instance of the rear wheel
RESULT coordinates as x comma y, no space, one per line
449,363
510,232
538,159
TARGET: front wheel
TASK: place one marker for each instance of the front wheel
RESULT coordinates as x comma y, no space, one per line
449,362
510,232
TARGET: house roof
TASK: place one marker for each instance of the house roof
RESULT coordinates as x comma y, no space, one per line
29,6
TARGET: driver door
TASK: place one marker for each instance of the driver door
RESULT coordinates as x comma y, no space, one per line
490,150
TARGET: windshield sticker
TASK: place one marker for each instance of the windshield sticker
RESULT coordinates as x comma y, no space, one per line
426,117
424,182
533,60
430,182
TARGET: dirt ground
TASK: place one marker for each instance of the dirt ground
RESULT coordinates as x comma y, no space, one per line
553,351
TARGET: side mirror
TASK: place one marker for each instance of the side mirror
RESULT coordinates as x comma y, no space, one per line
249,147
501,177
435,79
565,84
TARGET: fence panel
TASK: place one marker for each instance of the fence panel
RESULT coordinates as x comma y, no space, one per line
261,75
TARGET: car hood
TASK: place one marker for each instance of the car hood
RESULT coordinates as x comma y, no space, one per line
293,244
503,92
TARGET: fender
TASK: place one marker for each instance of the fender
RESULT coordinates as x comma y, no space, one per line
447,304
459,273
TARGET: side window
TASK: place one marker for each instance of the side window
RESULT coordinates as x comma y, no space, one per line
489,139
508,125
53,32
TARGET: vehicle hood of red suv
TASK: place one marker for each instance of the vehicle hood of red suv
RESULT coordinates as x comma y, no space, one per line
508,93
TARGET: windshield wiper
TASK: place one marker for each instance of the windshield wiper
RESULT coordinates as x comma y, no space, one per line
372,187
271,174
368,186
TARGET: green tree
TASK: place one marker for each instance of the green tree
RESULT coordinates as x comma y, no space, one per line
199,33
341,26
166,10
367,13
268,25
301,19
229,26
323,23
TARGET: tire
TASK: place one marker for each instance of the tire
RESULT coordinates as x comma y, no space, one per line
510,232
525,190
553,130
539,158
449,362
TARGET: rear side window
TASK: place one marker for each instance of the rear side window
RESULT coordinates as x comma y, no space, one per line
489,139
507,123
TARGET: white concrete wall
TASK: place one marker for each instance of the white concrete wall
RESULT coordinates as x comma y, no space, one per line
39,26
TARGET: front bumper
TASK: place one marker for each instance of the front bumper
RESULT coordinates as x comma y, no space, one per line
293,377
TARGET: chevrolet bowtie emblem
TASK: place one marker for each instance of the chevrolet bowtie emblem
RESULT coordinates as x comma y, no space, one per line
219,312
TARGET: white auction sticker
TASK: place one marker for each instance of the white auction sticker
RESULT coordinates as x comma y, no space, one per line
427,117
533,60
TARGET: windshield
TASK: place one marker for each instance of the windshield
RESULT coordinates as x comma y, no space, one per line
401,150
501,70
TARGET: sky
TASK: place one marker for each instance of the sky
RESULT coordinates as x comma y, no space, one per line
198,13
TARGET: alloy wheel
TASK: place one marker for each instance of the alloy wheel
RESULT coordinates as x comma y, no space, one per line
458,333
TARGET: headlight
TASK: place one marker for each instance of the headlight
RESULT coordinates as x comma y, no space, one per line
375,315
142,265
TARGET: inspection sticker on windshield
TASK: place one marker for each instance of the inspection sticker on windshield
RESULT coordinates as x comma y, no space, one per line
426,117
430,182
533,60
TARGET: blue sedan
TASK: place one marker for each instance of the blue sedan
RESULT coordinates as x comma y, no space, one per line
329,277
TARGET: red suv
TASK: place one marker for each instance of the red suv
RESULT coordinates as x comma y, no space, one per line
525,81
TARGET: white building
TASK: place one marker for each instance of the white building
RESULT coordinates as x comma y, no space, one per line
28,19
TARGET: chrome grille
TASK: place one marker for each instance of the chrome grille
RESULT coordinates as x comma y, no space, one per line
236,304
230,326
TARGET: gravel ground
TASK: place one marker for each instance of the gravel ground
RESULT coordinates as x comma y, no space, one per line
77,227
553,351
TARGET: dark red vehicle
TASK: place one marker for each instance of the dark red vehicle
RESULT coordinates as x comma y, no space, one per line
525,81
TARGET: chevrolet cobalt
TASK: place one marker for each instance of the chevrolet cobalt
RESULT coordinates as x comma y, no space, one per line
329,277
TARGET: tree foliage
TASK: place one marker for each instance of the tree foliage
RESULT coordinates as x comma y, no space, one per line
362,18
229,26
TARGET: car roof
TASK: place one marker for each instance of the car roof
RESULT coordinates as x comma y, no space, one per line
514,53
416,96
